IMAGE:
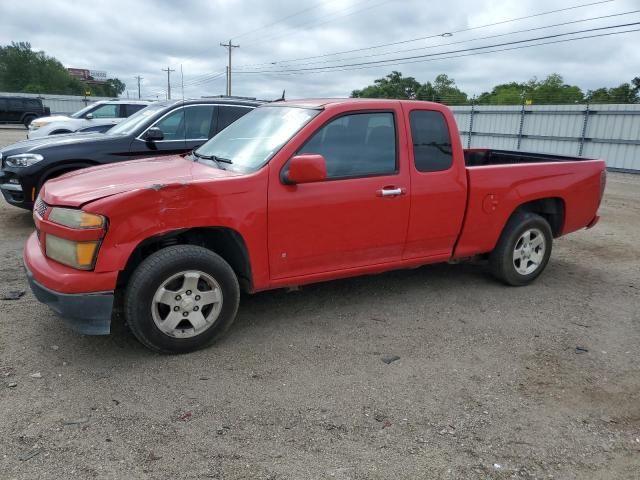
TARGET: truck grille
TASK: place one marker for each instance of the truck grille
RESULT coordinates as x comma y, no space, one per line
40,207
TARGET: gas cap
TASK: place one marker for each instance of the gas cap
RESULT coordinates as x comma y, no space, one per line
490,203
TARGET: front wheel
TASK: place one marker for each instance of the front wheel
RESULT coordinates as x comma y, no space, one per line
181,299
523,251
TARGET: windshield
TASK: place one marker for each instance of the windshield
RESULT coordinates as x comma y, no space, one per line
84,110
250,142
129,125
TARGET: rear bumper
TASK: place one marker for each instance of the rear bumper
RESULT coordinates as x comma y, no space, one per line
87,313
593,222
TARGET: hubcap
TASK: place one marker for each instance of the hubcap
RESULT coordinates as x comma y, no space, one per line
528,252
186,304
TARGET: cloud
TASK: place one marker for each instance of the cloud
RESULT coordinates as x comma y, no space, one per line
141,38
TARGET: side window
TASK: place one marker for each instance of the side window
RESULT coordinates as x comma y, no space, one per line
431,141
33,104
129,109
356,145
4,104
198,121
228,115
109,110
16,104
172,125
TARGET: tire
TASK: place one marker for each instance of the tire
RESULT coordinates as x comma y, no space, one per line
26,121
520,255
174,270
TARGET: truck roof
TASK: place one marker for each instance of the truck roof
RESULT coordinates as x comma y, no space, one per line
320,103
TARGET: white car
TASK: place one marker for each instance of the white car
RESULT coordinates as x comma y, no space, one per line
97,117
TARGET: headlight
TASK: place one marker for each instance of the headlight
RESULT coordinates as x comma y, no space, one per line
80,255
72,218
23,159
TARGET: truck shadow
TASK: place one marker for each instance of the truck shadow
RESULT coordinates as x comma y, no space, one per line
342,303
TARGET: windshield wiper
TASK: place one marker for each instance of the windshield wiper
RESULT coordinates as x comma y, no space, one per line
212,157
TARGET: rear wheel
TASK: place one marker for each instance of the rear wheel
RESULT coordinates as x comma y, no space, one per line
181,298
26,121
523,251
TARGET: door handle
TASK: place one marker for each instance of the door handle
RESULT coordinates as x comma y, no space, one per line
390,192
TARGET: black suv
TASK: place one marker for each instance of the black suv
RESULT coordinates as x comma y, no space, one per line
21,110
164,128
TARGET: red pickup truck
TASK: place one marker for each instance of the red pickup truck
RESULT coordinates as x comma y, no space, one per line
292,193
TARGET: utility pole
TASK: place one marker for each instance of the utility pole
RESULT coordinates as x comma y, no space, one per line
138,78
168,70
230,46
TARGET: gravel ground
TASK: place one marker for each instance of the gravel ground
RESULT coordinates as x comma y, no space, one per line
492,382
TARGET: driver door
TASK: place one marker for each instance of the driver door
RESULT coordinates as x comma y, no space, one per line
359,215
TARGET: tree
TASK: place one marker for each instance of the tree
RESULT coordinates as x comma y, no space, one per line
23,70
394,85
623,93
551,90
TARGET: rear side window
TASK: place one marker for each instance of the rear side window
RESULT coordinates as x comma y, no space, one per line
198,121
431,141
16,104
228,115
357,145
129,109
33,104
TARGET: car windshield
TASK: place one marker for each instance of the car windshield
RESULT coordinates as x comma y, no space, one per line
250,142
84,110
131,124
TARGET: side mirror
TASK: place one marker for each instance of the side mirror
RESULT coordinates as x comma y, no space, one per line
153,134
89,116
306,168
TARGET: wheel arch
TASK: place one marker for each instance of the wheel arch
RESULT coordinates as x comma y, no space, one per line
552,209
62,168
224,241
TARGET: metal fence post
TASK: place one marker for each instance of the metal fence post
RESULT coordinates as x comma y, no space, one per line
520,128
585,123
470,132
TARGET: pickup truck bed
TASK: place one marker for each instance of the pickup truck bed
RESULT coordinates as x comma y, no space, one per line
480,157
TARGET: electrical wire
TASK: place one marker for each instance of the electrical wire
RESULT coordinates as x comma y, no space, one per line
379,62
502,22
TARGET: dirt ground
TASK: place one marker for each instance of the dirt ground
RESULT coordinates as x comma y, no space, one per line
492,382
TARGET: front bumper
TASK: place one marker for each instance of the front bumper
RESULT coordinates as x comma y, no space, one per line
84,299
87,313
14,193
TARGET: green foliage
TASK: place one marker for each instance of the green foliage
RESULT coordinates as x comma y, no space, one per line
624,93
443,89
23,70
549,91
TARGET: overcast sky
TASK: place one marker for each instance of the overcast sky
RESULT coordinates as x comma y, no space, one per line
128,38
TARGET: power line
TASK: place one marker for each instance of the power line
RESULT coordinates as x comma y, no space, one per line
333,16
280,21
464,41
378,62
464,55
502,22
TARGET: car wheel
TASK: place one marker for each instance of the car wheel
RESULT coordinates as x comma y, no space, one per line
523,251
181,299
26,121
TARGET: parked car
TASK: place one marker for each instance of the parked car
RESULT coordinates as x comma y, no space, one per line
165,128
21,110
97,117
294,193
